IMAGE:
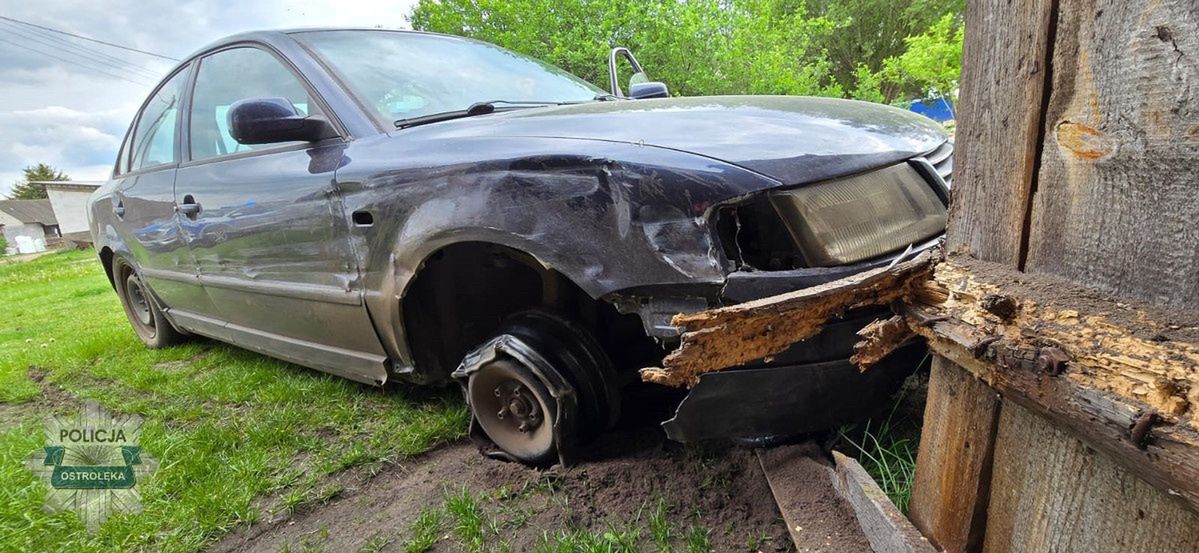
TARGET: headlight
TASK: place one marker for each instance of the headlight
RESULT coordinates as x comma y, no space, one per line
857,218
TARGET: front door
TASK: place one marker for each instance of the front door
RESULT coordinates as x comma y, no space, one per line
265,226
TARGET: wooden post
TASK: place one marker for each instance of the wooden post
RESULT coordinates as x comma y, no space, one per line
1077,157
949,496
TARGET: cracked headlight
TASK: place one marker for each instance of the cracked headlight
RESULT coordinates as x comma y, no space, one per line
856,218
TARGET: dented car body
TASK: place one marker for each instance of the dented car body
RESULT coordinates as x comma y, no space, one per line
389,248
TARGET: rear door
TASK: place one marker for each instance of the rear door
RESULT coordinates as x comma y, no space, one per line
143,201
266,228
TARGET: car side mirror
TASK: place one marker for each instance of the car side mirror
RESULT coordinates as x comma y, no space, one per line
649,89
639,84
271,120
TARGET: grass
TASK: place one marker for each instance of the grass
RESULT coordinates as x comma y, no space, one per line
235,432
886,448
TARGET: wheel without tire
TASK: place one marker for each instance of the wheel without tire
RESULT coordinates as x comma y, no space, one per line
512,402
515,410
146,318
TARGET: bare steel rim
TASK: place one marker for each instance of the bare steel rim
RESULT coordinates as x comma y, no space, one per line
514,408
137,303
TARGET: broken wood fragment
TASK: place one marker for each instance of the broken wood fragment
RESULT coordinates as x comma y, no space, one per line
879,339
730,336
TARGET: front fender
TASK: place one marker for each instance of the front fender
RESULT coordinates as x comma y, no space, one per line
608,216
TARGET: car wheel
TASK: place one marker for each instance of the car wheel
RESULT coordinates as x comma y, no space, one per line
539,387
142,309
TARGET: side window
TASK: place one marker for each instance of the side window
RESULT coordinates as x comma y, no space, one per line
154,137
231,75
122,165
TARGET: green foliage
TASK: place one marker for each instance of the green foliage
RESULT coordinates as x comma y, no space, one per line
26,189
870,32
704,47
3,244
932,62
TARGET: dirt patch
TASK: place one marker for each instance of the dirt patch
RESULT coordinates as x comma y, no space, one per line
816,514
622,478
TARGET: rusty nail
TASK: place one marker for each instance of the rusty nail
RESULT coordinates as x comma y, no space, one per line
980,348
1052,360
929,322
1140,429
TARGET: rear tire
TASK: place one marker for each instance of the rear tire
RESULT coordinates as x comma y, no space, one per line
141,308
506,396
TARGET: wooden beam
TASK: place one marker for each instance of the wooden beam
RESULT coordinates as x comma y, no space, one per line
722,338
1124,379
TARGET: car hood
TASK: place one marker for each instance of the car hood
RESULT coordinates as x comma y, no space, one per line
791,139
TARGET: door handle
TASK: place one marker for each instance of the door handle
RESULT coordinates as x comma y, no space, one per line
189,208
119,209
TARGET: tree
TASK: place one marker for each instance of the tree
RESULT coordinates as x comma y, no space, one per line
700,47
27,189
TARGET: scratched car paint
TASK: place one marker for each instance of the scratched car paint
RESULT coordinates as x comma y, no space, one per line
314,252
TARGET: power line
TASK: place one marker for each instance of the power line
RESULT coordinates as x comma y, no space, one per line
74,62
65,46
88,38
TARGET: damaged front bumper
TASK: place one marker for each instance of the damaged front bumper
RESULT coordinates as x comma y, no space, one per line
811,387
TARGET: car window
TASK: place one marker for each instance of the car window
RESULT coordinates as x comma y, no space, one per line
154,136
122,165
237,74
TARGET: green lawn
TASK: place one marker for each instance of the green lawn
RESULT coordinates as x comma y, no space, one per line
236,433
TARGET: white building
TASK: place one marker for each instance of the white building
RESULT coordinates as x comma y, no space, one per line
27,225
68,199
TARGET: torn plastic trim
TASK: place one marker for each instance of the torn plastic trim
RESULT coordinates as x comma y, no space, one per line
761,405
565,418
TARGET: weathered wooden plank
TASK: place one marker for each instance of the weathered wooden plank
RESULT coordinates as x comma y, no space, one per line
1122,378
887,530
729,336
1051,492
1117,200
1002,89
953,465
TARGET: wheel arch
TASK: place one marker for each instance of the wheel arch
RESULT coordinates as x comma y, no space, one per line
461,291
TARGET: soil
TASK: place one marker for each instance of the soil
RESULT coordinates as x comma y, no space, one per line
619,478
816,514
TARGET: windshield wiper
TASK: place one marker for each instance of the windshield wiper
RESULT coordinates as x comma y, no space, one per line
477,108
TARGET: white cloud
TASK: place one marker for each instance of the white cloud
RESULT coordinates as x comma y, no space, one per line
74,117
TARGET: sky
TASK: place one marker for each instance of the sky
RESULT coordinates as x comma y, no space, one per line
54,110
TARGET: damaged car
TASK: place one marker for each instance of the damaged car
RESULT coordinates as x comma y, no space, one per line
403,206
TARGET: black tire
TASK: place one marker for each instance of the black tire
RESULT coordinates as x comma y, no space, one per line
577,357
141,308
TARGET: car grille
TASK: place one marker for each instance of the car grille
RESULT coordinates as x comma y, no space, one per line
942,160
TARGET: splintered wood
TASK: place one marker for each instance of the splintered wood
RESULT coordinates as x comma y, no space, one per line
730,336
1124,379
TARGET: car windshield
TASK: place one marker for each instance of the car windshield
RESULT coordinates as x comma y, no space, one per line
407,75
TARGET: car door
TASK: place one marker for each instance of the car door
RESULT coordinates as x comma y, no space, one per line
143,201
266,229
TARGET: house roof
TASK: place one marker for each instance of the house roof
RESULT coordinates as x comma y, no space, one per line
68,185
29,211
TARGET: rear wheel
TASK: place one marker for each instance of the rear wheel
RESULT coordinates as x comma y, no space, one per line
141,308
547,387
